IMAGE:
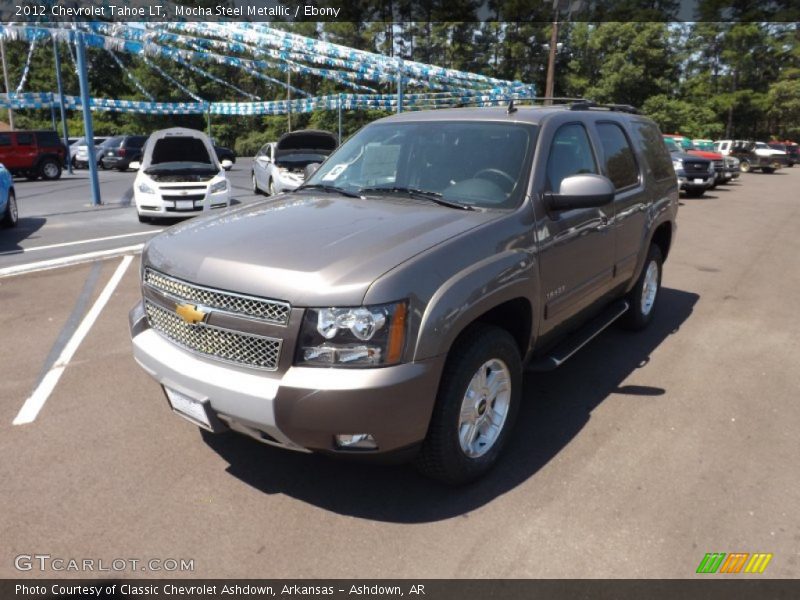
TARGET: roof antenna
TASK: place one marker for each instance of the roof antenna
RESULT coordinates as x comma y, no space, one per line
511,108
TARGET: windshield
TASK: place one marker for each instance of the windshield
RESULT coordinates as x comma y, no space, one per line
180,153
470,163
671,145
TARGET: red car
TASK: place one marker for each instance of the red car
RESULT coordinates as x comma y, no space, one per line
33,154
720,174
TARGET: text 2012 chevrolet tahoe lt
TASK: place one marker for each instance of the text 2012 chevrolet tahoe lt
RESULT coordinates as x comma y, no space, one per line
390,304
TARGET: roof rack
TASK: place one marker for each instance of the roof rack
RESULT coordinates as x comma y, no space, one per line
589,104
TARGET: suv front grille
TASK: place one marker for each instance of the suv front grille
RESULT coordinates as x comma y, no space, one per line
222,344
271,311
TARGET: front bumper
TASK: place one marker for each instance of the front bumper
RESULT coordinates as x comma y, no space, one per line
695,181
302,408
154,205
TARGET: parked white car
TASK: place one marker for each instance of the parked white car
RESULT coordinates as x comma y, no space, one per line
179,176
280,166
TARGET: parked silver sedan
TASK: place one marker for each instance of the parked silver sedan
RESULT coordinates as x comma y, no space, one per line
280,166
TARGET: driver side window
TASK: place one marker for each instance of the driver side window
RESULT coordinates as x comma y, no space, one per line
570,154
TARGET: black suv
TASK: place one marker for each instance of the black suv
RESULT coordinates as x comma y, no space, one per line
33,154
119,152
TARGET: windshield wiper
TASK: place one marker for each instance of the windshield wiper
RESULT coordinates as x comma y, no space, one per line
435,197
328,188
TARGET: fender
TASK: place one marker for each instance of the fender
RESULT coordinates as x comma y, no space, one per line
660,212
468,294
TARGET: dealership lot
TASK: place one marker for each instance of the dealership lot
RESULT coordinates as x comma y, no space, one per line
634,459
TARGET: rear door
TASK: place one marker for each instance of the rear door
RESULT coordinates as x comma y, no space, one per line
25,152
620,165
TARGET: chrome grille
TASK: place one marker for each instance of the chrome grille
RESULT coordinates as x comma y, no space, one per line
222,344
272,311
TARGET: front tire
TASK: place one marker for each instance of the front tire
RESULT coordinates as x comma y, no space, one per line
744,165
477,404
271,186
768,170
642,298
11,216
696,193
256,189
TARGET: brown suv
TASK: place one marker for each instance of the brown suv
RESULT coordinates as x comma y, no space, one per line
33,154
391,302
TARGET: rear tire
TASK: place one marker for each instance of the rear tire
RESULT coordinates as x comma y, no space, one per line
768,170
644,295
50,169
11,216
477,404
744,165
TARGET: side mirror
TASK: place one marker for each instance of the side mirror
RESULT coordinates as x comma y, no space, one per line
581,191
226,164
310,169
135,165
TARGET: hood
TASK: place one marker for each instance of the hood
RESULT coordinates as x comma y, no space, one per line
307,140
308,250
179,144
706,154
692,157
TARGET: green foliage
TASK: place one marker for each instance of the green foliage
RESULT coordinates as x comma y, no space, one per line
678,116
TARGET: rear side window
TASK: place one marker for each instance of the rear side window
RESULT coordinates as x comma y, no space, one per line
570,154
655,149
620,163
48,138
135,141
5,139
24,139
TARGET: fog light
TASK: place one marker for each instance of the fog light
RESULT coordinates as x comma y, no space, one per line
356,441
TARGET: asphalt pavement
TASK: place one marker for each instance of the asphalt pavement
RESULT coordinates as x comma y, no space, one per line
636,458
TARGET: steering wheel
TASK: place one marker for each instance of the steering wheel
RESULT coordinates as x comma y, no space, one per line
507,182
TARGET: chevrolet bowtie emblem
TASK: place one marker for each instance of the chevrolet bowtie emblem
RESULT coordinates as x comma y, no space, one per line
190,313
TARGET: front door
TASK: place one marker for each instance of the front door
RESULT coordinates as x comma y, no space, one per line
576,247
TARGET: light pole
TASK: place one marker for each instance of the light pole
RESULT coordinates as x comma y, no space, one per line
5,78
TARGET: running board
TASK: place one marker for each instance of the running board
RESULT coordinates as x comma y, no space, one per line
580,338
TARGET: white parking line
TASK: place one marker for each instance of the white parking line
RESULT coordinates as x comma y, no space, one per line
66,261
64,244
30,409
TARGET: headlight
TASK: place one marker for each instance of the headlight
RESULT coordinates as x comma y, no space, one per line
220,186
677,164
146,189
363,336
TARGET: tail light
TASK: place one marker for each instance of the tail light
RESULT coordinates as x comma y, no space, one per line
120,151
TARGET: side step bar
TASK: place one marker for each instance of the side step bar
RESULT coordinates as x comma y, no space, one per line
579,339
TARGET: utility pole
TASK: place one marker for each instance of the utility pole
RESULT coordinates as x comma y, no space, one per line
5,79
558,5
551,60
